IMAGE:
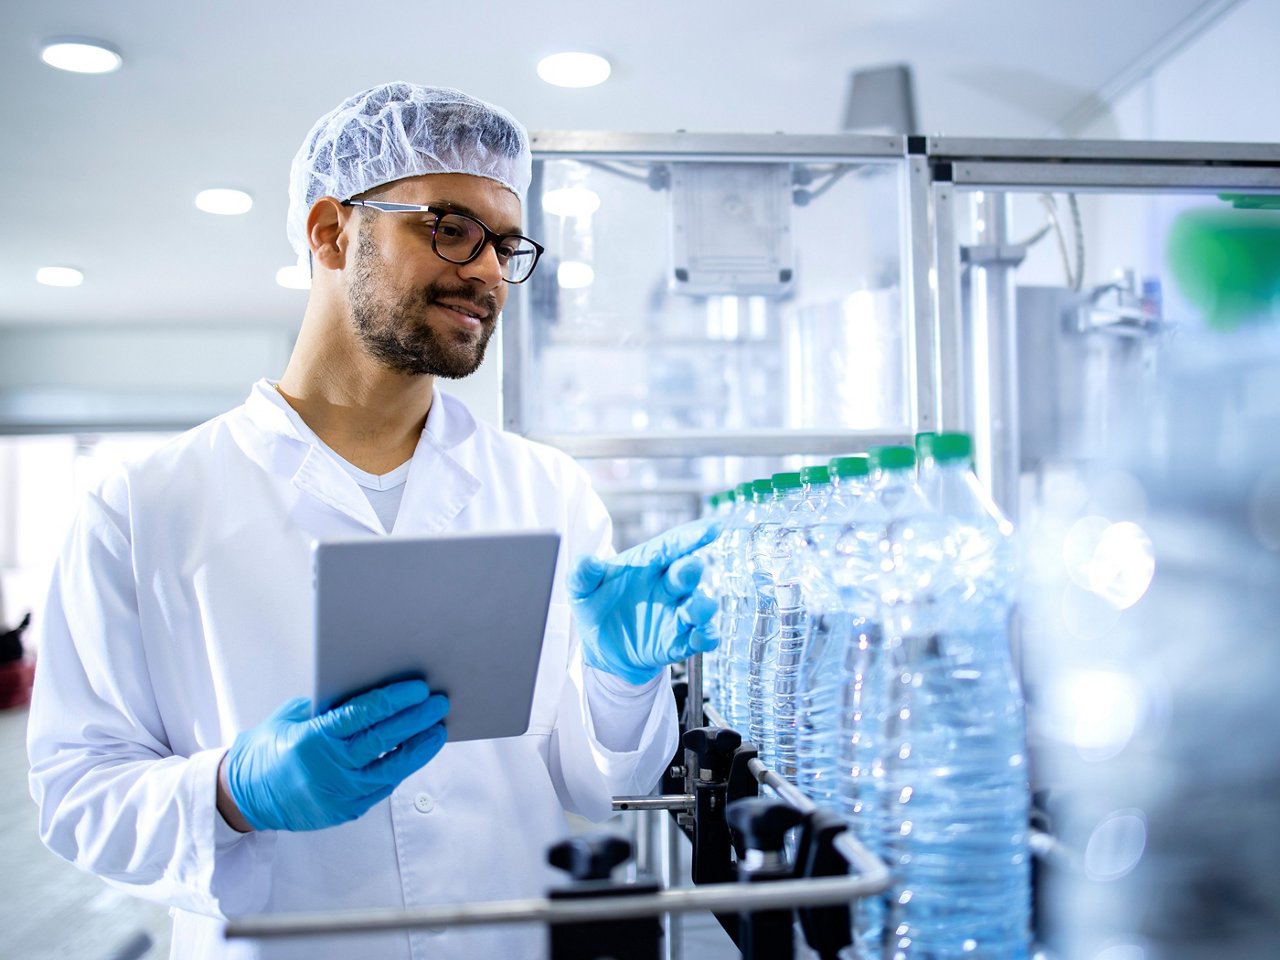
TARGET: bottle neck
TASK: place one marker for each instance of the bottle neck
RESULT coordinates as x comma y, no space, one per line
895,478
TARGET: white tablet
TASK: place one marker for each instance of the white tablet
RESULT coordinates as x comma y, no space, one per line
466,613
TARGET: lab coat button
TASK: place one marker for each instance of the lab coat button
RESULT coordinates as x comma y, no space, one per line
423,803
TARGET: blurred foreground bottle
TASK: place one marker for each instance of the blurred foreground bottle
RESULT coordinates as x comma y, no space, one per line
1156,645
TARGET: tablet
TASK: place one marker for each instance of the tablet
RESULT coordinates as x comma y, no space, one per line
466,613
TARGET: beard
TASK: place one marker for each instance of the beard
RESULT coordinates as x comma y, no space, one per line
396,333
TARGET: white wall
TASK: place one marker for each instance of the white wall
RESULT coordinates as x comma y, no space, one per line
1222,85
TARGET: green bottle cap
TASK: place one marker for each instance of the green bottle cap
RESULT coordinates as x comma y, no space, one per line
815,475
786,481
762,489
858,465
892,458
743,491
952,446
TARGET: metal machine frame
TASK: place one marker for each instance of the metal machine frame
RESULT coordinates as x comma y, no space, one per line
944,169
689,147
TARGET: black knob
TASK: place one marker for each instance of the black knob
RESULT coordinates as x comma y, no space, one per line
714,747
591,857
763,822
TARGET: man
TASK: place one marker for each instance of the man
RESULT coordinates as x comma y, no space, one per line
178,620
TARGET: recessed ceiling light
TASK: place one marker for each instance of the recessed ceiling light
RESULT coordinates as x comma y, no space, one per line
574,275
80,55
224,201
574,69
571,202
294,277
59,276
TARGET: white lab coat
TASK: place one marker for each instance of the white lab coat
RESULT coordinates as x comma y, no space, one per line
180,614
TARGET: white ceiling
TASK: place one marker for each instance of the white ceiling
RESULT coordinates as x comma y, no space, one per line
100,171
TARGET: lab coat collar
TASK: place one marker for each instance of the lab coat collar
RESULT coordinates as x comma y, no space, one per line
437,489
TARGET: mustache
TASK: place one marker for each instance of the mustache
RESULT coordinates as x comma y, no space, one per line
486,305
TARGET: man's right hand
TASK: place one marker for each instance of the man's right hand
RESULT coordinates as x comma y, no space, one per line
298,772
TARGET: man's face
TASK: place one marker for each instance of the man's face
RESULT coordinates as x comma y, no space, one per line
411,310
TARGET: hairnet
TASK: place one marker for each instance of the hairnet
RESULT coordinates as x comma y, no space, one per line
399,130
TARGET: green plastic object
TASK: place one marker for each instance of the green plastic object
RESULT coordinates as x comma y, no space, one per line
1252,201
858,465
816,475
786,481
952,446
743,491
1227,263
762,489
893,458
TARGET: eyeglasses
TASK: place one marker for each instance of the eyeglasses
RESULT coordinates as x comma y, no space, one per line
459,238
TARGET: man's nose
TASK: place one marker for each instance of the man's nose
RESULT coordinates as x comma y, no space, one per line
485,267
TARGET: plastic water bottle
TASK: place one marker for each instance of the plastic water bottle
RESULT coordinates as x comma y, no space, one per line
893,498
737,605
827,624
793,615
762,551
720,506
954,796
926,467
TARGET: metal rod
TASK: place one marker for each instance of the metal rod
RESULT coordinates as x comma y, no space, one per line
713,716
694,443
668,801
715,147
924,281
782,787
1114,177
716,897
669,855
696,698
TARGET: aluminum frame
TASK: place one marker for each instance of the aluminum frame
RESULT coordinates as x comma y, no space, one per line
961,166
615,147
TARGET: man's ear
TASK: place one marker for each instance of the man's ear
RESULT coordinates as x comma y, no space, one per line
327,233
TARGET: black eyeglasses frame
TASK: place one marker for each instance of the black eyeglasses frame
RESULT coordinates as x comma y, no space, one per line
490,237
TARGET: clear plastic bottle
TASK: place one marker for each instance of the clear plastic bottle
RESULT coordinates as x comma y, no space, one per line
793,616
827,624
737,606
763,553
954,792
720,506
893,497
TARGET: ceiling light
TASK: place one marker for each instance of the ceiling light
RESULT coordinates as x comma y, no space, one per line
573,69
571,202
59,276
295,277
223,201
79,55
574,275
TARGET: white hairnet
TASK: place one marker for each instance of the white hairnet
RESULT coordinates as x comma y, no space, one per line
399,130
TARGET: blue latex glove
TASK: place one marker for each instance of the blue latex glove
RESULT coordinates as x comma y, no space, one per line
641,610
298,772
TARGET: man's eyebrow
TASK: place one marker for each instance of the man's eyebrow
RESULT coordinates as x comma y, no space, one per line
456,207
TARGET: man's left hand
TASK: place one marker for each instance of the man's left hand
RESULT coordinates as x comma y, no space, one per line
642,609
